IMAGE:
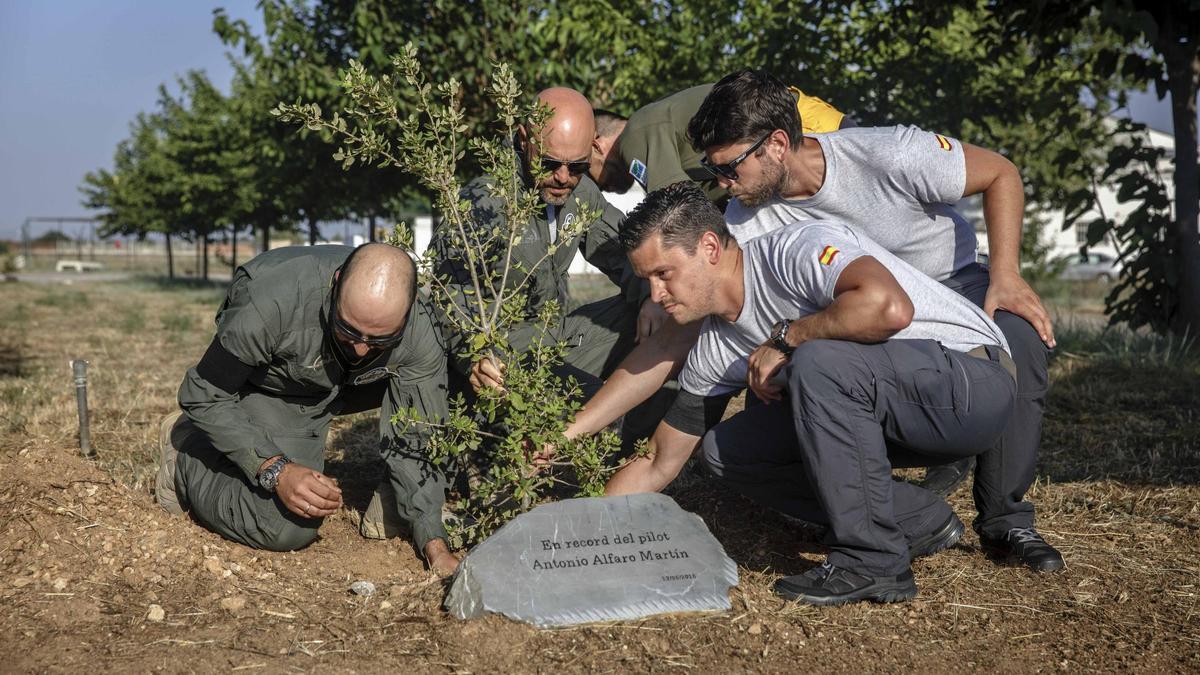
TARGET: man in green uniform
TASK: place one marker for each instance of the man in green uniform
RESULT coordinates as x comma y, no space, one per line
598,334
653,146
306,333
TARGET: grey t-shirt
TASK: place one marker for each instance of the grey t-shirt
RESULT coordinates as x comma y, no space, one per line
791,273
893,184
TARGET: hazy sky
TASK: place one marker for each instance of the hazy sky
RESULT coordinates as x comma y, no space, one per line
74,73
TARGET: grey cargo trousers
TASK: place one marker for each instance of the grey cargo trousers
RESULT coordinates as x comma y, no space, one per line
220,497
1008,473
853,411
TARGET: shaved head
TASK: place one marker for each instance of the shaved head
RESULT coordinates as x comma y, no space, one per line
377,285
571,126
565,137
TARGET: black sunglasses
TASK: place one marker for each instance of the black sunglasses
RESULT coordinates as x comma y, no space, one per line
729,169
575,168
350,333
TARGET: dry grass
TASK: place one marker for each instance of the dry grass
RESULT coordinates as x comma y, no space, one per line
138,341
84,552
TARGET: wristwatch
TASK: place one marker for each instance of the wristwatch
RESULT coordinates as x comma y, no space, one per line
779,337
268,478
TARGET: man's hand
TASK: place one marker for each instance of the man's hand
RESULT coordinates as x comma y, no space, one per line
440,559
1008,291
488,372
650,318
308,493
764,363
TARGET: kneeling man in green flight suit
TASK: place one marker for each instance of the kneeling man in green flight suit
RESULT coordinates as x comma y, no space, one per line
304,334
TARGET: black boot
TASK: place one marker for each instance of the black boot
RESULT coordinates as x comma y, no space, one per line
1025,545
829,585
944,479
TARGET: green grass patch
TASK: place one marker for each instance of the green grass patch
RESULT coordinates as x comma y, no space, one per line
62,298
131,320
1122,405
177,323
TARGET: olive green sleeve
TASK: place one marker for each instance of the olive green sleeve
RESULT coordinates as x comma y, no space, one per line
654,145
419,386
452,267
601,246
242,334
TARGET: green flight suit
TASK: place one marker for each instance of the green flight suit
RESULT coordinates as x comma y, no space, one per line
601,333
288,383
656,137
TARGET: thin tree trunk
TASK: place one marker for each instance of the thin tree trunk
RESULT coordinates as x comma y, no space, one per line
1183,74
204,261
266,239
233,252
314,233
371,229
170,258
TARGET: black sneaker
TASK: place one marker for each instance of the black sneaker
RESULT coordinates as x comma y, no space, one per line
1027,546
939,540
828,585
944,479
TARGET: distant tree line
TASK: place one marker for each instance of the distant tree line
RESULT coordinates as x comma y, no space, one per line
1034,79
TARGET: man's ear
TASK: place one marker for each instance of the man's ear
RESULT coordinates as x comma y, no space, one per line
780,138
710,247
523,137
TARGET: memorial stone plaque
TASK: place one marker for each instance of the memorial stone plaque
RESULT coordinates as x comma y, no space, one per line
597,559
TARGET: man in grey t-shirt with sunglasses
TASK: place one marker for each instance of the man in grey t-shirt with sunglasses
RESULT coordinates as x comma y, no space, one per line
897,186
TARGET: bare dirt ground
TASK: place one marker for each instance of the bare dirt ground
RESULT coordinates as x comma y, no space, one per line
94,576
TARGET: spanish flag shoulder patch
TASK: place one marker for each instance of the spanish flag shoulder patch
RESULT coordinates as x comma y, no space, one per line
943,142
828,255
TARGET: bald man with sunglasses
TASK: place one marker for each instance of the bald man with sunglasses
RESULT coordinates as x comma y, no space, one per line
305,334
598,334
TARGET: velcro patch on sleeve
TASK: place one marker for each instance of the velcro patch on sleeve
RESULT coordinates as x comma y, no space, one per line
828,254
638,170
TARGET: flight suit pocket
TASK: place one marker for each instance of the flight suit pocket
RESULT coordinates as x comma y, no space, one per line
303,446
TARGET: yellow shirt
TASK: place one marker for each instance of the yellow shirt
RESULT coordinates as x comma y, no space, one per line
816,116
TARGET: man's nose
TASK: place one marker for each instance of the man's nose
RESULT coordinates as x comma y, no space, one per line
724,182
562,174
360,349
658,290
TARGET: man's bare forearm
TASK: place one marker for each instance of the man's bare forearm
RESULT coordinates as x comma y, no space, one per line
670,450
999,181
639,376
868,306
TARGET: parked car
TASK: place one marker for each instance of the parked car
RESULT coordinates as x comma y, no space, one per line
1092,267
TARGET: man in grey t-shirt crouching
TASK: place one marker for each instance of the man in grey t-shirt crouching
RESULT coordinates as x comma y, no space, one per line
856,354
897,186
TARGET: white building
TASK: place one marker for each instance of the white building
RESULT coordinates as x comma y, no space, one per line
1062,243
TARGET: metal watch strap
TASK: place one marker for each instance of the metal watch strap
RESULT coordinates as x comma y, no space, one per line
269,477
779,337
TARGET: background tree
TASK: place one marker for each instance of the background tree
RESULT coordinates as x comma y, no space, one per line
200,144
1157,45
140,195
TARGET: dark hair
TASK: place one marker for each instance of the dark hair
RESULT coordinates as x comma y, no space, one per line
680,212
607,122
742,108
